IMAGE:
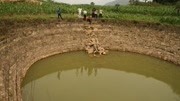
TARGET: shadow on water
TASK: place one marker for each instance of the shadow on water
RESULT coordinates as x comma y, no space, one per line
128,62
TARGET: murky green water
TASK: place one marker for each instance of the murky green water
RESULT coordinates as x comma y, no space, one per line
117,76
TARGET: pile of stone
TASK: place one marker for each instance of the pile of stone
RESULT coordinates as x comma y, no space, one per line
92,46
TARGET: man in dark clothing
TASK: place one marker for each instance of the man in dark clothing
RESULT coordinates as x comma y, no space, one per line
59,13
89,19
93,12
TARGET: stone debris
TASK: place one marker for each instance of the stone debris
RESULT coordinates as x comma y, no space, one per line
92,46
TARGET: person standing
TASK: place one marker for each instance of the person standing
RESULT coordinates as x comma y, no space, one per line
96,14
79,12
93,12
89,19
59,13
100,13
84,14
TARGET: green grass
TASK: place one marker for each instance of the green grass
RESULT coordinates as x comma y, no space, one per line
47,11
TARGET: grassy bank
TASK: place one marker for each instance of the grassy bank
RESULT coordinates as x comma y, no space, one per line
46,11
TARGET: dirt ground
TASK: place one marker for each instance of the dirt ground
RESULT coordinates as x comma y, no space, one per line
23,43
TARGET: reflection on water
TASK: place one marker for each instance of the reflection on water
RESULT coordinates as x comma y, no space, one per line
115,77
80,71
89,71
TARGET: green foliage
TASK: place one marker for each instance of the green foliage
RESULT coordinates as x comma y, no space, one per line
154,14
166,1
178,5
170,20
117,6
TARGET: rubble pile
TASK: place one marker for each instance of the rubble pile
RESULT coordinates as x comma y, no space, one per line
92,45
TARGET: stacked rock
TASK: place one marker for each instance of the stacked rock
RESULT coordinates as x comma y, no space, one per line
92,46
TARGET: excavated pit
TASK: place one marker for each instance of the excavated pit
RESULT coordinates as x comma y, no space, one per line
22,46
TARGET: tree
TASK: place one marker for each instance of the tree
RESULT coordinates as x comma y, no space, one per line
166,1
133,1
117,6
178,7
92,3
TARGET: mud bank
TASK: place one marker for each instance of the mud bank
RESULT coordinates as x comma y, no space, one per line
21,47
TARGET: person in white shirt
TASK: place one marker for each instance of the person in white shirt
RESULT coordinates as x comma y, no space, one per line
96,13
100,13
79,12
84,14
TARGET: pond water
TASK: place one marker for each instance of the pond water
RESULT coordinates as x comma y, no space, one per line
117,76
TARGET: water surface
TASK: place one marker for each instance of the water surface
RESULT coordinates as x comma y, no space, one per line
118,76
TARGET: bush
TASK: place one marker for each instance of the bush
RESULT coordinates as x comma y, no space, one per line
178,7
171,20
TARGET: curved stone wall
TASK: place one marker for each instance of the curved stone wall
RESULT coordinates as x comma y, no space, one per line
20,49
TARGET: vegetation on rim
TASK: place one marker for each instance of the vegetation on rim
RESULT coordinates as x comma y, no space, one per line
148,13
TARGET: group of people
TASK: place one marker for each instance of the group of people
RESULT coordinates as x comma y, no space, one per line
87,17
95,13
